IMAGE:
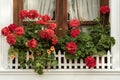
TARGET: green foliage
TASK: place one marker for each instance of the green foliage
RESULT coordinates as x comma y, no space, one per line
97,41
101,37
40,59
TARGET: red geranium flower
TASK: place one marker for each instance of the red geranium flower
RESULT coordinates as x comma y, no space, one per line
5,31
104,9
19,31
12,27
11,39
74,23
23,14
32,43
39,16
50,33
42,34
74,33
43,19
71,47
32,14
54,40
41,22
52,26
90,61
46,34
46,18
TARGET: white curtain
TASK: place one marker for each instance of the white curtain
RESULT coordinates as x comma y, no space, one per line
83,9
42,6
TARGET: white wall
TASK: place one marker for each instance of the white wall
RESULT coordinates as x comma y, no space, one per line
115,31
6,17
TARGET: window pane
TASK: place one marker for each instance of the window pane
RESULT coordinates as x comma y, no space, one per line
42,6
83,9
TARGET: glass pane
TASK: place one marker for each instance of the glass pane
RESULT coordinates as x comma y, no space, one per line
85,10
42,6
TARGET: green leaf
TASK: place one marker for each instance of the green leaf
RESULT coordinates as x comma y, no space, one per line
101,53
13,51
39,65
29,62
70,56
39,71
22,65
54,63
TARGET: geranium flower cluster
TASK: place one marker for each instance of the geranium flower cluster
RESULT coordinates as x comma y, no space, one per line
36,38
104,9
31,14
72,46
80,44
42,20
11,31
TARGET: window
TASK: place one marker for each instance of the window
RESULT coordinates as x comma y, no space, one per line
63,13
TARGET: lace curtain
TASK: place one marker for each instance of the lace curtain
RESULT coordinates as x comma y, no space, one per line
42,6
77,9
83,9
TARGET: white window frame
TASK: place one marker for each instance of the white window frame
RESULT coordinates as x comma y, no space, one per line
6,17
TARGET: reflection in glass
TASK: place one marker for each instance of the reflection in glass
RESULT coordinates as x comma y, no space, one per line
42,6
83,9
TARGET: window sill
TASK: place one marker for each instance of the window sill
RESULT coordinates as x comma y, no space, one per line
62,72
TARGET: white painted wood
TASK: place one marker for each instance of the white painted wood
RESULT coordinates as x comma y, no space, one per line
59,59
103,62
62,72
115,31
65,74
65,62
6,17
16,62
93,75
97,62
108,59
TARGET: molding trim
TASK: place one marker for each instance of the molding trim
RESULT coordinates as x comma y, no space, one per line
62,72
